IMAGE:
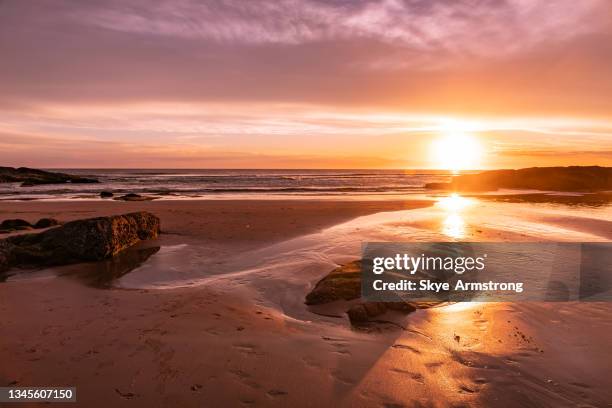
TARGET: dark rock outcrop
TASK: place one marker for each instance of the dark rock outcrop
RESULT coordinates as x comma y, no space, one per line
584,199
46,223
363,313
344,284
20,225
106,194
15,224
134,197
573,178
31,177
91,239
5,249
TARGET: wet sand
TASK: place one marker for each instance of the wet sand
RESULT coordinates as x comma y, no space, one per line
244,338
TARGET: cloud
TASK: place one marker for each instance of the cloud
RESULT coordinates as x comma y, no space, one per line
490,26
417,55
60,152
248,81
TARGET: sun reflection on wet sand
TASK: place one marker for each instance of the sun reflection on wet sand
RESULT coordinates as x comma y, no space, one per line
460,306
453,224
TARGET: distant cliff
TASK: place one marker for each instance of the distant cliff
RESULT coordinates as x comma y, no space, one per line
31,177
573,178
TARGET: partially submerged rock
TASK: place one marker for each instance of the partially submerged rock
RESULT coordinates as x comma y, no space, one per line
572,178
344,284
134,197
31,177
363,313
92,239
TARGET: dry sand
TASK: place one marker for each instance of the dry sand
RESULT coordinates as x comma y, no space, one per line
225,343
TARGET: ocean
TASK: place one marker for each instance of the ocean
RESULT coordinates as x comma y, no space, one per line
186,184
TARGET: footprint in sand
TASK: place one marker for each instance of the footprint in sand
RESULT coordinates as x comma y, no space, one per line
473,360
393,405
414,376
341,348
340,345
212,331
311,363
277,393
244,378
463,389
481,324
125,395
433,366
248,349
406,347
339,377
334,339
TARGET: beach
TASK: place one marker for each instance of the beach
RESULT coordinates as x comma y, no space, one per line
217,315
306,203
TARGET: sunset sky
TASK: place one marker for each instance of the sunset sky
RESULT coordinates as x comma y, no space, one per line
303,84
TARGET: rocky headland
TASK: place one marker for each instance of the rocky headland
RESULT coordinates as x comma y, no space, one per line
572,178
31,177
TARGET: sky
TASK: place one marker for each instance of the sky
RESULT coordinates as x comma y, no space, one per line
303,84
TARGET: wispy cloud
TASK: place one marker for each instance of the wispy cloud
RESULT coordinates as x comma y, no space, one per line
253,79
491,26
275,135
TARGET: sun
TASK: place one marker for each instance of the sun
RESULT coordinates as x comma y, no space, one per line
456,149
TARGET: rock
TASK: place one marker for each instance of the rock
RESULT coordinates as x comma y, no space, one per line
134,197
14,224
92,239
572,178
19,225
343,283
106,194
46,223
362,313
592,199
5,249
407,307
31,177
438,186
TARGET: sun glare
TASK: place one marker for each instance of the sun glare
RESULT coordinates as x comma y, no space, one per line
454,225
456,149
